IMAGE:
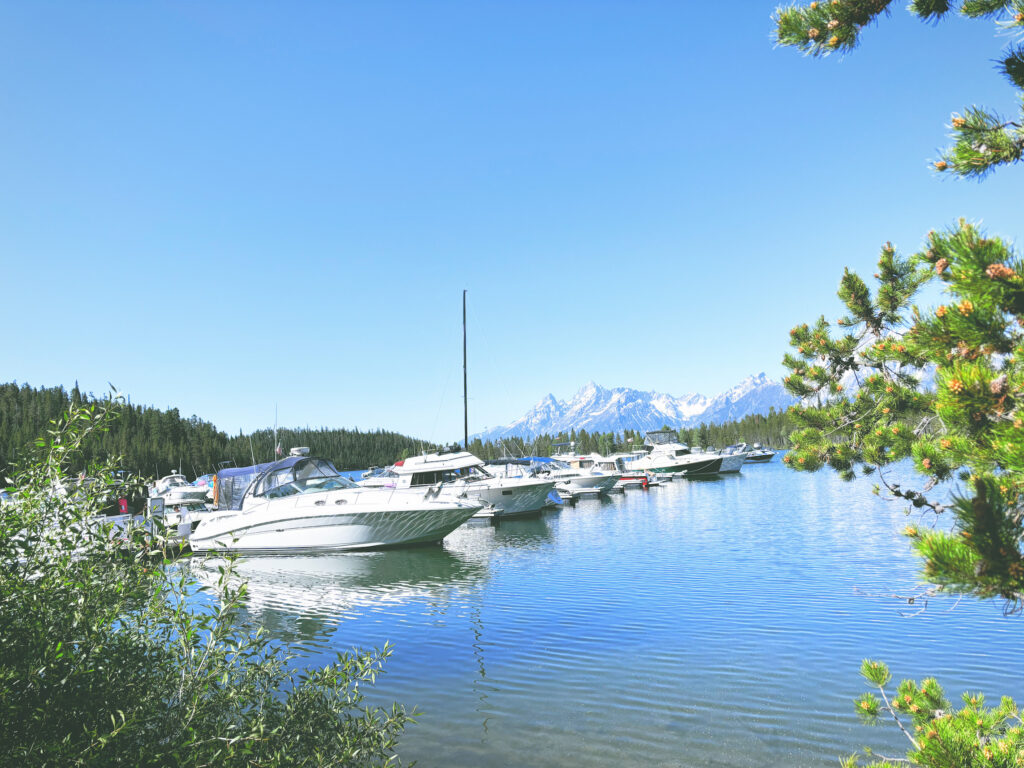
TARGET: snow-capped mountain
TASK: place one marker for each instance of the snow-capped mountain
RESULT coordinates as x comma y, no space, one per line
597,409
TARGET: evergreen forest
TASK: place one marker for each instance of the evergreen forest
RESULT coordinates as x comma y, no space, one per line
153,442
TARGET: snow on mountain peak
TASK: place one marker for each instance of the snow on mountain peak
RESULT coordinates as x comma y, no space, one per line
597,409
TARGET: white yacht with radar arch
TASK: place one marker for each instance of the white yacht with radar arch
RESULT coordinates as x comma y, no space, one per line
302,503
464,475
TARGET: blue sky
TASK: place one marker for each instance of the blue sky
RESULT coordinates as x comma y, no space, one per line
220,206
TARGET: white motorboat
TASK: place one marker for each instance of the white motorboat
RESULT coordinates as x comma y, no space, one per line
174,489
733,457
570,481
301,503
759,454
583,475
667,456
616,464
463,474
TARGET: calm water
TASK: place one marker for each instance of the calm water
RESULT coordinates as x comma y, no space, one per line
703,623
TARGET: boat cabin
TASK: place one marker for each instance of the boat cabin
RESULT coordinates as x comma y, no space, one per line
434,468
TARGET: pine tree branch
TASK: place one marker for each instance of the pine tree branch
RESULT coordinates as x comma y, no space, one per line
895,717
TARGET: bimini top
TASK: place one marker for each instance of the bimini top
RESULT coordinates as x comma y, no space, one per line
435,462
231,483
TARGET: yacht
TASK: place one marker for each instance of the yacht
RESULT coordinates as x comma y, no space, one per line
301,503
667,456
759,454
464,475
174,489
570,477
616,463
733,457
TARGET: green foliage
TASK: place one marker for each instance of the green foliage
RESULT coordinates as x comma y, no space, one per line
982,140
968,427
970,422
941,736
110,655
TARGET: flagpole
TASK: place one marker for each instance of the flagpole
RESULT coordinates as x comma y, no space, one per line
465,392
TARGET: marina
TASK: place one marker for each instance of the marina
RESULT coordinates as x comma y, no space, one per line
716,622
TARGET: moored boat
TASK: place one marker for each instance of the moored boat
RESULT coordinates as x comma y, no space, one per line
667,456
759,454
571,479
462,474
174,489
301,503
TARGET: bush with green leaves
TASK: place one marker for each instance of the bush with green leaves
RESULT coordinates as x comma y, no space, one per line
943,387
110,654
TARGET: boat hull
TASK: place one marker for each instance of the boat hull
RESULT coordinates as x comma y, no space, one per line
731,463
589,484
328,529
512,498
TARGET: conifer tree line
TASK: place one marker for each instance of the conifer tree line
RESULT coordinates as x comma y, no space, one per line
155,442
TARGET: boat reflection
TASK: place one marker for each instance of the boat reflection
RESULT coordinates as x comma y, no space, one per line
522,532
302,598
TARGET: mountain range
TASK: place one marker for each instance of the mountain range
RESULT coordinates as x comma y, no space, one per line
597,409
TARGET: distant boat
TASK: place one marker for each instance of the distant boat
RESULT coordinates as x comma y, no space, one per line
301,503
569,480
667,456
733,457
760,454
175,490
463,474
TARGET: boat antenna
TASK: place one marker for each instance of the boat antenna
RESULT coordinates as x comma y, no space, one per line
465,391
252,452
274,456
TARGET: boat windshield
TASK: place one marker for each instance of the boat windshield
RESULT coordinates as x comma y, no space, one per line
546,466
304,476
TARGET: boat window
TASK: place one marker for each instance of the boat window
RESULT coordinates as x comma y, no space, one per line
585,463
468,474
425,478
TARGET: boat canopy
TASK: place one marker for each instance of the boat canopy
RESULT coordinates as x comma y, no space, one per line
233,482
662,437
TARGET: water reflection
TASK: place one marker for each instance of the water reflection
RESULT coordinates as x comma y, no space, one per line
715,623
302,598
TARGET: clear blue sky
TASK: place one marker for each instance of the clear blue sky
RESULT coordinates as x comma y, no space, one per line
220,206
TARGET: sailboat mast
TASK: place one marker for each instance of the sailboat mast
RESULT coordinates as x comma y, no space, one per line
465,391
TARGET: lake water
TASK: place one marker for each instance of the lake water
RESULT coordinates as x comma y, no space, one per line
703,623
